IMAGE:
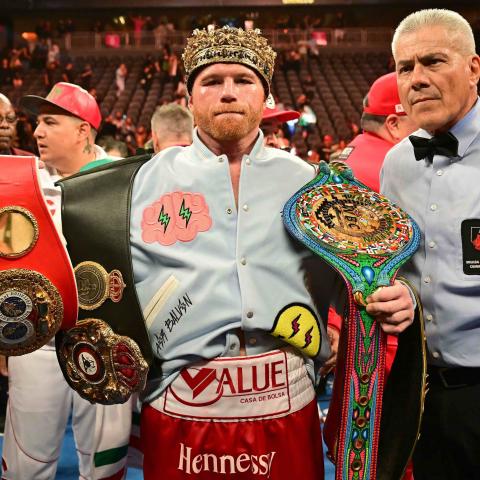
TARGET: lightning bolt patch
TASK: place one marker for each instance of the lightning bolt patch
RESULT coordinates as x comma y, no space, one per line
175,217
297,324
185,213
308,337
164,219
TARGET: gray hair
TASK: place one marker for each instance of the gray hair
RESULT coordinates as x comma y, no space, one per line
172,120
452,21
4,99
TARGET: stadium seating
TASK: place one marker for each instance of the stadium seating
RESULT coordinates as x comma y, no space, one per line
340,81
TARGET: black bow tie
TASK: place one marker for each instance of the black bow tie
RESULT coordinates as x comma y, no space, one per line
444,144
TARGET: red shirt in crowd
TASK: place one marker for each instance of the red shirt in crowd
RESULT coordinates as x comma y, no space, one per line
364,155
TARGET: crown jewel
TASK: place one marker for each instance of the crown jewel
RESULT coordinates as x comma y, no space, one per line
229,45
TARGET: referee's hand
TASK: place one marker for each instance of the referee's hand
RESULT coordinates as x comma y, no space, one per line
392,307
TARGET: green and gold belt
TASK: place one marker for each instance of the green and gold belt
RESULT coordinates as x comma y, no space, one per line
366,238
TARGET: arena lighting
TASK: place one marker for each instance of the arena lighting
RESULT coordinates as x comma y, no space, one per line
119,20
30,36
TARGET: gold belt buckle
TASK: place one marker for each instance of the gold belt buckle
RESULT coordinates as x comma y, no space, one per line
100,365
31,311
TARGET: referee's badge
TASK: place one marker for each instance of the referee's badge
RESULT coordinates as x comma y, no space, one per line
31,311
95,285
100,365
470,231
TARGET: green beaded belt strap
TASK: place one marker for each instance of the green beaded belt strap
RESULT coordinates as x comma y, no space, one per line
366,239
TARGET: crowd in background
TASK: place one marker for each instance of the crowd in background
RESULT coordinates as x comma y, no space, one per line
53,65
46,52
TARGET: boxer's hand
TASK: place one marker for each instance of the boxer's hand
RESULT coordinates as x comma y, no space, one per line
329,365
3,366
392,307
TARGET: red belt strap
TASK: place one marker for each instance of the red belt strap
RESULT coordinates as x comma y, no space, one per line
37,285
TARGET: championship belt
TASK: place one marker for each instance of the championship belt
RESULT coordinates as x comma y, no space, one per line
37,286
366,238
106,356
101,366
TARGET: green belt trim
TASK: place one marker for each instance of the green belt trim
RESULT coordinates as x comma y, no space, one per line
96,163
108,457
136,418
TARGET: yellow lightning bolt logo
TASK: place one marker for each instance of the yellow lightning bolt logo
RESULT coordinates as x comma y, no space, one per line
297,324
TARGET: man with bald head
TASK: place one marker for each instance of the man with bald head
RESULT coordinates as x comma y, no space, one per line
8,128
434,175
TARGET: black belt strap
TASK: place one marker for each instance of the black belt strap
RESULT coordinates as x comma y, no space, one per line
453,377
403,400
96,225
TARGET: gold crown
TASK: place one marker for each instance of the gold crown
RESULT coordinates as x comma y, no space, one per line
229,45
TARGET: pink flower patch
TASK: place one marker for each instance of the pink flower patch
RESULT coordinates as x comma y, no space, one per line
175,216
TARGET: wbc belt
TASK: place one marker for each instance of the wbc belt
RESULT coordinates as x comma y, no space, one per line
37,286
366,239
106,356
